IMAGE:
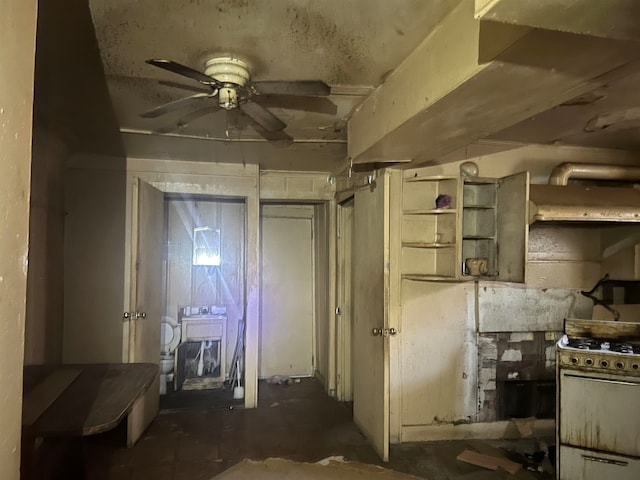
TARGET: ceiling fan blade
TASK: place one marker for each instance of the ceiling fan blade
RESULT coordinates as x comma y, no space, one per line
175,105
304,103
183,70
189,118
279,138
190,88
315,88
262,116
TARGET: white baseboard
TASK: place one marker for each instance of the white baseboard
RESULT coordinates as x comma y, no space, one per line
489,430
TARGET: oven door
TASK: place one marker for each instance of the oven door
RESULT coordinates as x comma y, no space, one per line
600,412
579,464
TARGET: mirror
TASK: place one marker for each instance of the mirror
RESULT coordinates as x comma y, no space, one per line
206,246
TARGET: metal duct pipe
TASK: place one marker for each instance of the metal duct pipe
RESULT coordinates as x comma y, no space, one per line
561,174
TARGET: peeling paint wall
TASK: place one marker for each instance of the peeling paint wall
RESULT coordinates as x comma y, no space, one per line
511,357
459,343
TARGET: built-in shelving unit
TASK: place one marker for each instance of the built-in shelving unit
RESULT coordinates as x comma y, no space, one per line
483,214
429,234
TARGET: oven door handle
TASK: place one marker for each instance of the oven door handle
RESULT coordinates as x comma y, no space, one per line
619,463
604,380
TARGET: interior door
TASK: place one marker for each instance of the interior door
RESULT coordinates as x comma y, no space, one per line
344,363
146,297
286,336
370,292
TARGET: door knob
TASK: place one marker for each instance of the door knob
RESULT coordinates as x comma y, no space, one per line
376,331
134,315
392,331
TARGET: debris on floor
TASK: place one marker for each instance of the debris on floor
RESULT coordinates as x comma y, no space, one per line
278,468
489,461
328,460
525,426
279,380
536,459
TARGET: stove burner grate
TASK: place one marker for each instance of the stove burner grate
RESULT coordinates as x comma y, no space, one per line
603,345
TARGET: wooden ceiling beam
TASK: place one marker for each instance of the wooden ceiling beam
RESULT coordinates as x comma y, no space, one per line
616,19
470,79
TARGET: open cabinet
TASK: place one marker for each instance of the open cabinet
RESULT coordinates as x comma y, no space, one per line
465,228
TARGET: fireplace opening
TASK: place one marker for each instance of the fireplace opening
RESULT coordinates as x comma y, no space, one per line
526,398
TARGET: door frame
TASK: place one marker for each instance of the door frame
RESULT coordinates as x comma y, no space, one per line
229,181
344,319
306,214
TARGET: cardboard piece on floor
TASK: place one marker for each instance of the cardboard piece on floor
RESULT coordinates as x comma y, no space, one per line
278,469
489,461
525,426
481,446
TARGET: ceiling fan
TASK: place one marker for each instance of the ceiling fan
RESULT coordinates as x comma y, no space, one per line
228,81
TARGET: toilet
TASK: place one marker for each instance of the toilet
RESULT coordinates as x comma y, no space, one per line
169,341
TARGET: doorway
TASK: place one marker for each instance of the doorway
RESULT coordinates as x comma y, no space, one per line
204,301
287,317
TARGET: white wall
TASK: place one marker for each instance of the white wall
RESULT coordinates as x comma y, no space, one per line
17,50
44,321
94,259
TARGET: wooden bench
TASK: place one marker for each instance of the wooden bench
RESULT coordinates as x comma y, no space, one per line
73,401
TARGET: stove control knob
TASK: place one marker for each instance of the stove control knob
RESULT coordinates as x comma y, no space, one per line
619,365
574,360
604,364
588,362
635,366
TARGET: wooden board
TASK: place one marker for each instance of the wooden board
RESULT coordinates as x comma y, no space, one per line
96,401
489,461
627,331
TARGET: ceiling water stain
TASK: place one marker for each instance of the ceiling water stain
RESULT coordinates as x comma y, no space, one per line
343,51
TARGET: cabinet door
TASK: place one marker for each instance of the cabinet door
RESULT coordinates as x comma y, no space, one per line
512,227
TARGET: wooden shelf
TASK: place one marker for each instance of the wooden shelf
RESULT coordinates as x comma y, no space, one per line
432,211
428,278
437,178
428,245
484,212
478,237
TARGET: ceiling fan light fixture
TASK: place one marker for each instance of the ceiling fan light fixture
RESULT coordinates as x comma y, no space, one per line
228,70
228,98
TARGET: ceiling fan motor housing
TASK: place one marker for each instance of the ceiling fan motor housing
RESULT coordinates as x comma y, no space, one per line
228,70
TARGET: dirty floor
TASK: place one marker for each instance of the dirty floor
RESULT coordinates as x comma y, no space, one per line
297,422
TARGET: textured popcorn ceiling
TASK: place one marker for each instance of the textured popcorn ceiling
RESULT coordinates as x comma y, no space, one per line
350,44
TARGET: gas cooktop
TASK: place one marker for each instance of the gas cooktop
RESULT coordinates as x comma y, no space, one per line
602,345
592,354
